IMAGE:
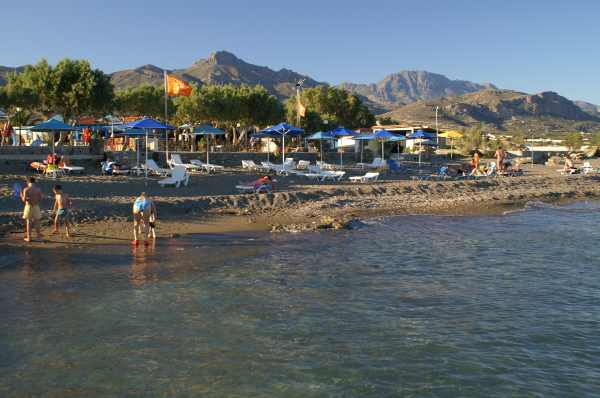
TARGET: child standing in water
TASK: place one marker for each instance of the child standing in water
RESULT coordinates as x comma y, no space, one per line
62,208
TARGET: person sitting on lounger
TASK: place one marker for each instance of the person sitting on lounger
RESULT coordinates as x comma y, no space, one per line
569,166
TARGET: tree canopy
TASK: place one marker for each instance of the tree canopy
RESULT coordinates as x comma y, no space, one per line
144,100
229,105
72,88
336,105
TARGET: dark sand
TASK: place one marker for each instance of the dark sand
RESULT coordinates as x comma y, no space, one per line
210,204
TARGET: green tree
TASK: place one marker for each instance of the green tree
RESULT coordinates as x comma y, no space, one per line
573,141
386,121
595,140
472,140
144,100
72,88
337,106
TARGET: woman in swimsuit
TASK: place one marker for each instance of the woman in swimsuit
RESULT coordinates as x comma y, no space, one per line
143,208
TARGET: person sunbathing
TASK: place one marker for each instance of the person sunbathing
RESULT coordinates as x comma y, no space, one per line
569,166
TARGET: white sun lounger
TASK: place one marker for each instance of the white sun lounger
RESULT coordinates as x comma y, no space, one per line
153,168
177,161
332,175
208,167
179,176
375,164
369,177
72,169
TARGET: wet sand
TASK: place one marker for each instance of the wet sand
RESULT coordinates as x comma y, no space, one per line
210,204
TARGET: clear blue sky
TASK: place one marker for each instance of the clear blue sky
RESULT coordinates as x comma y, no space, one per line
528,45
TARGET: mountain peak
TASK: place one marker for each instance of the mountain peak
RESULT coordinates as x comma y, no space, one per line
223,58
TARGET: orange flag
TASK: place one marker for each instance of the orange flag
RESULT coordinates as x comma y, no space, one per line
177,87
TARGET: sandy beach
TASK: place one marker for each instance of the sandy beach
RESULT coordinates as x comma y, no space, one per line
210,204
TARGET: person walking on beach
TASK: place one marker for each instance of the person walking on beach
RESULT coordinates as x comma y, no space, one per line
143,208
62,209
31,196
500,155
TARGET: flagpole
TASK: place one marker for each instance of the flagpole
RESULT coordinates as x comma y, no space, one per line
166,118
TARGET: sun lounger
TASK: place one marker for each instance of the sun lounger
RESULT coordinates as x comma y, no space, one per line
250,165
177,161
72,169
325,166
332,175
302,165
208,167
377,163
368,177
250,188
153,168
179,176
587,168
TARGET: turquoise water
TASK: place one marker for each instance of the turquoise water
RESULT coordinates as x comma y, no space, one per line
490,306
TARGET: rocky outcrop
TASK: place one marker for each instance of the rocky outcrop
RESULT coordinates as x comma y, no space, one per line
409,86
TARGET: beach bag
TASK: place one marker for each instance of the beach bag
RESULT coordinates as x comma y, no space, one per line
17,189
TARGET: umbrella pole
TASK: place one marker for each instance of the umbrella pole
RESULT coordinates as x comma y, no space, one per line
268,150
362,148
283,148
321,146
382,153
451,147
207,143
145,168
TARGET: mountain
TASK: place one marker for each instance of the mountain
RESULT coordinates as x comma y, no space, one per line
6,70
592,109
220,67
402,88
501,111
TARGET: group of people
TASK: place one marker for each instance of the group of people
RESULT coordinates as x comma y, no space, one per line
144,212
31,196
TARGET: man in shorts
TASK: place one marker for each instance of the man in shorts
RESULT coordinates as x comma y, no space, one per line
31,196
62,209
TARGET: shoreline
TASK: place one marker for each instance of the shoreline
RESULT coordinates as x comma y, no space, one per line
312,207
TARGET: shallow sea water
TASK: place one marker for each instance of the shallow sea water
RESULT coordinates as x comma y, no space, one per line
422,306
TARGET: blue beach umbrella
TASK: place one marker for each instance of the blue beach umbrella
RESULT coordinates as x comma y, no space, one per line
321,136
208,130
150,124
422,136
52,126
280,130
342,132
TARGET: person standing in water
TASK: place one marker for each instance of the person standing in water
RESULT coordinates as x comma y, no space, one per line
143,208
31,196
62,208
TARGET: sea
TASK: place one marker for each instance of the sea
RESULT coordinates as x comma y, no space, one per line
503,305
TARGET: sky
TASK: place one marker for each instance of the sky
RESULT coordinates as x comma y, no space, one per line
526,45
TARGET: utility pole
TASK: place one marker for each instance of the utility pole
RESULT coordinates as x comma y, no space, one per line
437,132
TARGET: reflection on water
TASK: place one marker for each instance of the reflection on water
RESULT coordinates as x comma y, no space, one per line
409,306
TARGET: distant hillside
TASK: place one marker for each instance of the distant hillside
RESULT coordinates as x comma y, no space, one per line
6,70
502,111
592,109
219,68
402,88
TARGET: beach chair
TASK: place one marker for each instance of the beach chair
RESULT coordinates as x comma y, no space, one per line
153,168
368,177
325,166
332,175
302,165
587,168
53,171
375,164
72,169
250,165
208,167
179,175
176,161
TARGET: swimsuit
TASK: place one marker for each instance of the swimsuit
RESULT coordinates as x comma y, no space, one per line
140,205
32,212
63,214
